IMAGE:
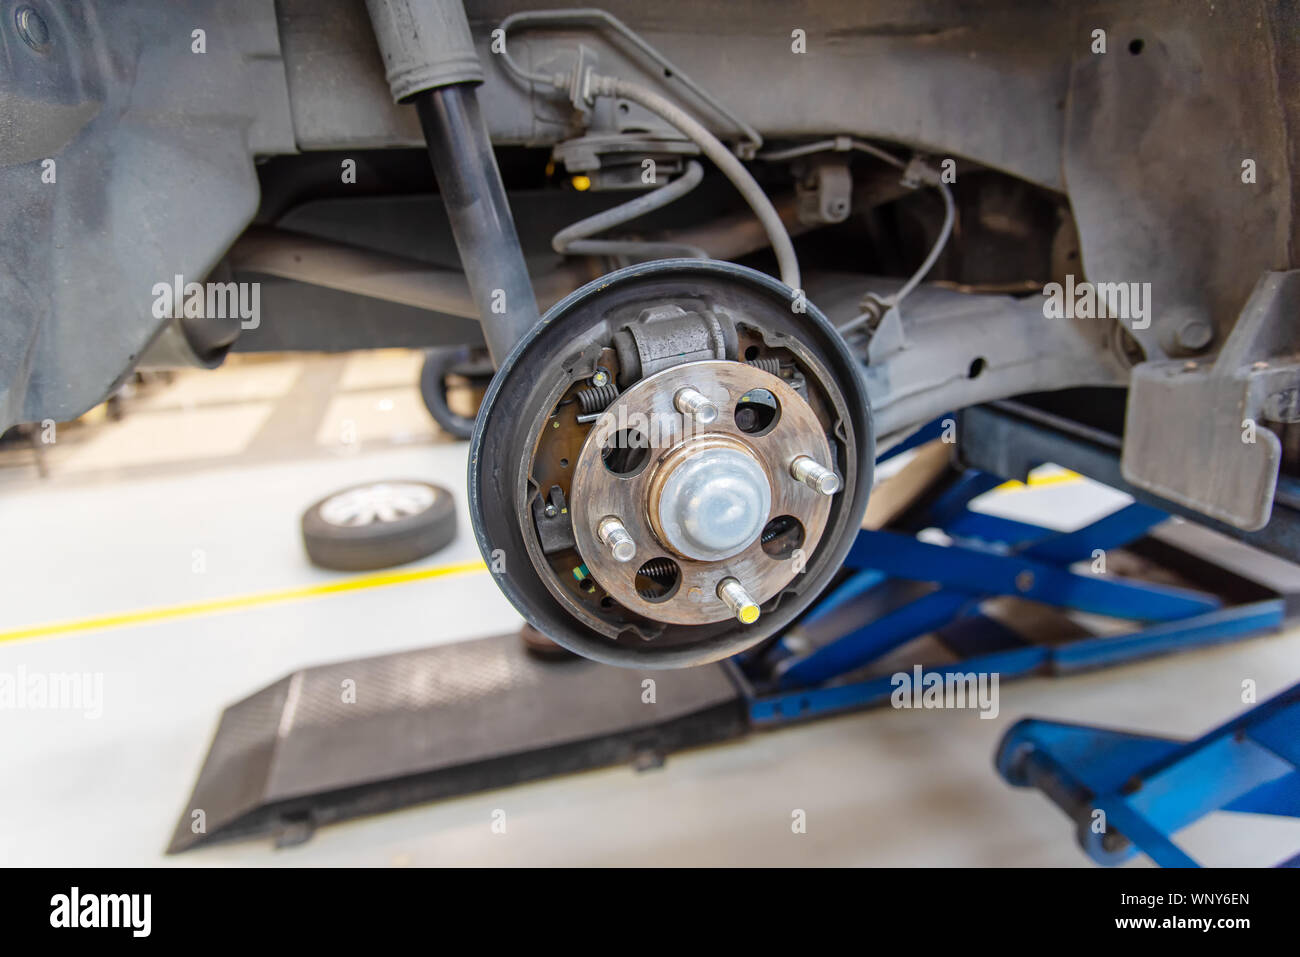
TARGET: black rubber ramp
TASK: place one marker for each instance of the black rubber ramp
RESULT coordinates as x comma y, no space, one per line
373,734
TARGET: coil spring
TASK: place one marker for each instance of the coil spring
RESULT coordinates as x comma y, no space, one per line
663,573
660,570
777,528
597,398
769,364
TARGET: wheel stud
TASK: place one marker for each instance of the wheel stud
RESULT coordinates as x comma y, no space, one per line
735,597
815,476
692,402
614,534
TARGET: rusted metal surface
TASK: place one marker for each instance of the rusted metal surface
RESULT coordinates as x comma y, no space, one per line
598,493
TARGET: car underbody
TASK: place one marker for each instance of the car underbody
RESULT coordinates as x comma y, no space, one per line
1090,208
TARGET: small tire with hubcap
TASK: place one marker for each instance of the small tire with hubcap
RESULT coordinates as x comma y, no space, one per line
379,525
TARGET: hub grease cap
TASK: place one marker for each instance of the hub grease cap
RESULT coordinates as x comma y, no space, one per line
714,503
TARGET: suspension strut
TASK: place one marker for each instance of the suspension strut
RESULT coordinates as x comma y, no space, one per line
431,63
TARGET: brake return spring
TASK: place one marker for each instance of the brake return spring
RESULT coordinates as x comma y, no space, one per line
597,398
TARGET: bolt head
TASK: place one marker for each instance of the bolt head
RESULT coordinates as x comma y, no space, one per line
692,402
706,414
735,597
601,378
829,484
1195,335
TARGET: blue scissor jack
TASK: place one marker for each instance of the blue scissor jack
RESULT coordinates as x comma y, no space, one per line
900,588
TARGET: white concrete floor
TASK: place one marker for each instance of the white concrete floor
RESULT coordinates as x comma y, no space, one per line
196,495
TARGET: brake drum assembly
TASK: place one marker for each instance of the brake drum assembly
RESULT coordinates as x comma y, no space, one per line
672,464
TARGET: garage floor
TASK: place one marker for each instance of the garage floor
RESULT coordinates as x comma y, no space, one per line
159,549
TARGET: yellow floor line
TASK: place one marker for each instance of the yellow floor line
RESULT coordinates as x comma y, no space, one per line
380,580
190,609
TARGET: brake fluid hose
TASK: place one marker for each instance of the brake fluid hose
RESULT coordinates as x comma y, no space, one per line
723,158
574,239
592,85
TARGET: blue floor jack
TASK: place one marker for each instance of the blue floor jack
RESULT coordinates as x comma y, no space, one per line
1131,792
898,587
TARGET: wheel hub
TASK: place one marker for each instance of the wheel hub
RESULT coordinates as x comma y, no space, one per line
694,500
671,465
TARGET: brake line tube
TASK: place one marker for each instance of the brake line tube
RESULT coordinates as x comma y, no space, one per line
591,85
722,157
576,239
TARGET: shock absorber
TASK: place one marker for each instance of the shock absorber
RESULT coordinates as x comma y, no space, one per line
431,63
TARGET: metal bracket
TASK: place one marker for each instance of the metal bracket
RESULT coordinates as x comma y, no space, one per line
824,187
599,19
1199,434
